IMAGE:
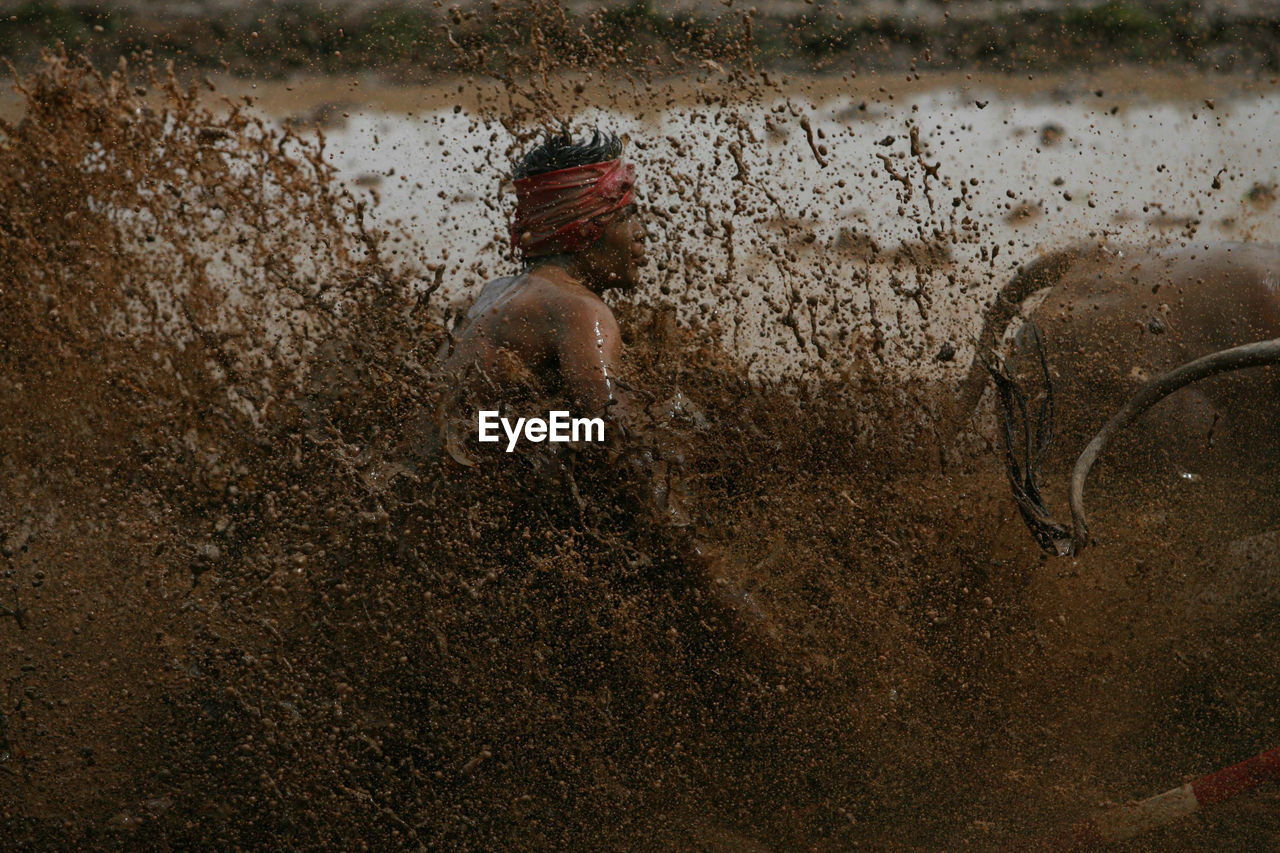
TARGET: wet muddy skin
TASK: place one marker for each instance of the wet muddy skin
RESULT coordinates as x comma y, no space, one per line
247,601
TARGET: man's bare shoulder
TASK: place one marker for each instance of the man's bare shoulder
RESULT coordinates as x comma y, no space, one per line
571,304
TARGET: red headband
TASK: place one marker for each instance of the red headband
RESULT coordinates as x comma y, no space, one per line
567,210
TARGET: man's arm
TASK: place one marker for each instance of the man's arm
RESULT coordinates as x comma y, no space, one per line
589,349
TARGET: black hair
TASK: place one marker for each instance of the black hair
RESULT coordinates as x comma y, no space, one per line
559,151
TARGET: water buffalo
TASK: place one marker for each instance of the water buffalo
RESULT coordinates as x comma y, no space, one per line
1119,321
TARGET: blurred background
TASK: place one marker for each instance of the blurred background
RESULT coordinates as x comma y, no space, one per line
409,40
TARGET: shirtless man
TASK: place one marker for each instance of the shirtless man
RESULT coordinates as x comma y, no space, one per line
577,230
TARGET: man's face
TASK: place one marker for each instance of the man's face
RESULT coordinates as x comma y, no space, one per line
620,252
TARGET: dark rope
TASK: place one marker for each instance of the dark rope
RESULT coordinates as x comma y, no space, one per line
1024,474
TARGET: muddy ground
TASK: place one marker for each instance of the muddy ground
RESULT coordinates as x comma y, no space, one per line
248,603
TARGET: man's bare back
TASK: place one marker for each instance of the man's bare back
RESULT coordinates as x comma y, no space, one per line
549,323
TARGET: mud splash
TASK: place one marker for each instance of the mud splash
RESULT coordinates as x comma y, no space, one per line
247,604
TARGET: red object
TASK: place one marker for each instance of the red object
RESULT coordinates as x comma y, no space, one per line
567,210
1238,778
1133,819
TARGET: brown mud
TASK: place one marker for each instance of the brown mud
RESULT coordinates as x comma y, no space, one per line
247,602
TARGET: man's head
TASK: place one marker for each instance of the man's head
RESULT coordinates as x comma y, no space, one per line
559,151
576,199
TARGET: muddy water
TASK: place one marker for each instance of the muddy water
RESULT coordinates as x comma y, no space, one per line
1032,171
246,602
